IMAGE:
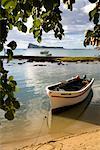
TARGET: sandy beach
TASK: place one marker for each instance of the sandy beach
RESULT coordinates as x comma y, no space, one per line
84,141
88,141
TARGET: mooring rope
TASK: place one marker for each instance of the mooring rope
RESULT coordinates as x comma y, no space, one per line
40,130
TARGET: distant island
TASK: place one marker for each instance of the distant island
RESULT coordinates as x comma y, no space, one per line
30,45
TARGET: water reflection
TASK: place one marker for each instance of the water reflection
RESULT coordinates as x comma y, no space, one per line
75,118
75,111
67,114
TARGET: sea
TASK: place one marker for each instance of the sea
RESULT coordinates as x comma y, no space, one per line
34,119
56,52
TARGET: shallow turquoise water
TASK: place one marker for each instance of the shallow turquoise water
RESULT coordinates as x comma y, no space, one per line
56,52
35,104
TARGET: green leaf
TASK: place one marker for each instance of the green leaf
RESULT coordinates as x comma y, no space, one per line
88,33
24,28
7,102
59,36
39,39
9,115
92,13
10,26
16,104
3,30
14,82
1,47
17,18
1,64
37,23
56,3
9,4
31,29
11,78
24,19
36,33
1,103
73,1
10,54
12,45
48,5
96,18
92,1
19,25
45,14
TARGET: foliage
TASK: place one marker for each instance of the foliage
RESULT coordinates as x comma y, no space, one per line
76,59
46,17
92,37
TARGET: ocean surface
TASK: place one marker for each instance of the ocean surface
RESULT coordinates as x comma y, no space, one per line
56,52
34,118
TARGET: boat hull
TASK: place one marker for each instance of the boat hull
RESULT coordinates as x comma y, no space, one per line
62,99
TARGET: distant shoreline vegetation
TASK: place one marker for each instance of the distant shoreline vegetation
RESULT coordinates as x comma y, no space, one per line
30,45
54,59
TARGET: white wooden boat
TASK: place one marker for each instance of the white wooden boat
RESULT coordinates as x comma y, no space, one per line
69,92
48,55
44,52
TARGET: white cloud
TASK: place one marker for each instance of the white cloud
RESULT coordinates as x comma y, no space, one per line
88,8
29,22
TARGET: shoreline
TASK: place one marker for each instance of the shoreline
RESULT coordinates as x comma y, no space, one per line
53,59
87,140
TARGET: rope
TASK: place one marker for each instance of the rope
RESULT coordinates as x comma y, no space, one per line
40,130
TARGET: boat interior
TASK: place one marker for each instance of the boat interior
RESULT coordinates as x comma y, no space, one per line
71,85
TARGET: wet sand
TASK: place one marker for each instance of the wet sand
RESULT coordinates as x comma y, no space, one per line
84,141
89,140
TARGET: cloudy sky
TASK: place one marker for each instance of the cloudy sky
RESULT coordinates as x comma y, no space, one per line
75,24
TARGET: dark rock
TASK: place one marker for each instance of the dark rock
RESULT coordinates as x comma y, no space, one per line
36,46
39,65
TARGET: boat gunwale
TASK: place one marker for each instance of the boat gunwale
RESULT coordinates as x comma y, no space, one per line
70,92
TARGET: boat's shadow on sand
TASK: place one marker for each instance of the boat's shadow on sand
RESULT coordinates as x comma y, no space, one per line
84,111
